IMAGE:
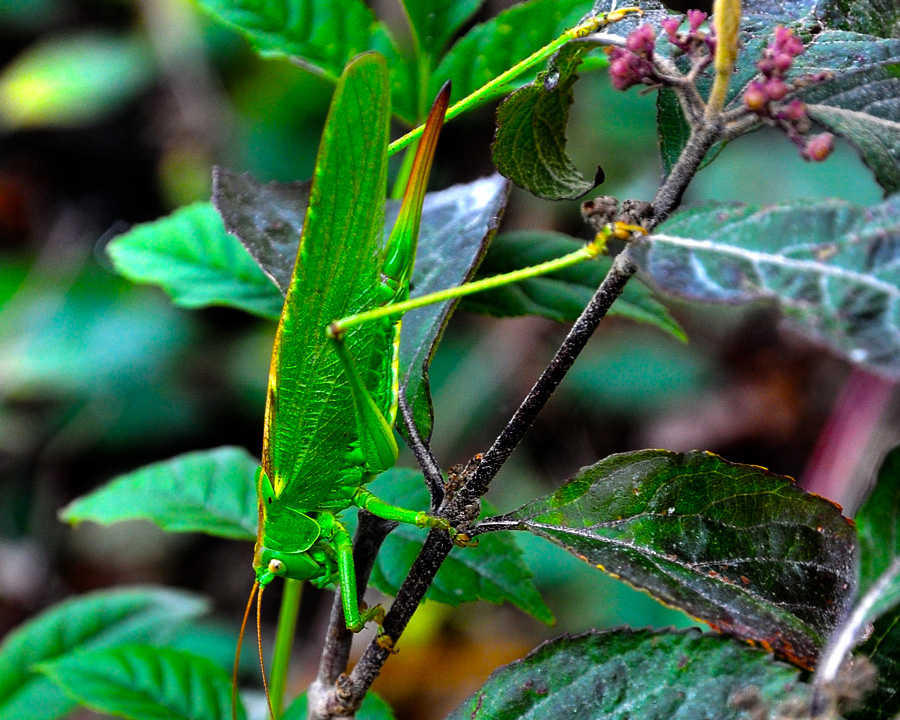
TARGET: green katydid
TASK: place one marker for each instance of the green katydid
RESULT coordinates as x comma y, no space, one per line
333,384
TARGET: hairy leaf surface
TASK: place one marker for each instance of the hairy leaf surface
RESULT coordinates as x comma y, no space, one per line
735,546
831,266
625,674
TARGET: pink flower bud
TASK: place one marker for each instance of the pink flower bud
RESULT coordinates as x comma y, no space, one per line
787,42
696,18
755,97
641,40
671,25
795,110
819,147
776,89
782,61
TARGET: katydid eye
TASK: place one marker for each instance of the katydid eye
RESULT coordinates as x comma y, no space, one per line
276,567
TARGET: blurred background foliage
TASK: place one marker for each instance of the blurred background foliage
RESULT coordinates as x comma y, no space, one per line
112,112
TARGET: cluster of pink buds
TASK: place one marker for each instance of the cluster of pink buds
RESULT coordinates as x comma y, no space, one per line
632,65
764,96
694,40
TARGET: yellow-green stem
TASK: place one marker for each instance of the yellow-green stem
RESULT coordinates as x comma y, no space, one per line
727,23
497,85
284,640
591,250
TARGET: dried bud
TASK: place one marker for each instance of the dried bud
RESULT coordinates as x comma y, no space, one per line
819,147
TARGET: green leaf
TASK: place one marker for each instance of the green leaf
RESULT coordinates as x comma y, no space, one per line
625,674
435,22
145,683
875,17
191,256
210,491
492,571
73,80
862,103
735,546
831,266
878,523
559,296
99,620
674,129
883,648
323,34
491,48
372,708
529,147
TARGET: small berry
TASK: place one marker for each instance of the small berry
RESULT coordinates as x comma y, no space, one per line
787,42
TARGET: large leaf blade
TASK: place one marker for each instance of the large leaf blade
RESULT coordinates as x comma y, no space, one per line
94,621
141,682
323,34
210,491
624,674
831,267
192,257
733,545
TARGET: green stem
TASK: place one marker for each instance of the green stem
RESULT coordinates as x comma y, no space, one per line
284,640
591,250
498,84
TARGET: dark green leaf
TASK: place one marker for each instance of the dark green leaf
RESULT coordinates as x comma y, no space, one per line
625,675
100,620
211,491
883,648
141,682
558,296
862,103
323,34
435,22
674,129
492,571
493,47
191,256
529,147
875,17
732,545
831,266
73,80
267,219
878,523
372,708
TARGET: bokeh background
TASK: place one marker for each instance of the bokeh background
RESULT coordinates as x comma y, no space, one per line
112,113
